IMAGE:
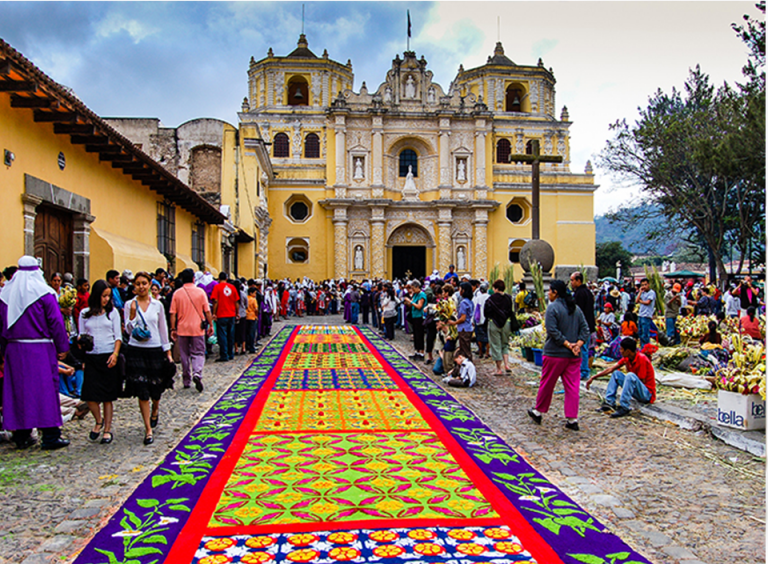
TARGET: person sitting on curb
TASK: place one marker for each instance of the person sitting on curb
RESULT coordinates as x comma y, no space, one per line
639,382
463,374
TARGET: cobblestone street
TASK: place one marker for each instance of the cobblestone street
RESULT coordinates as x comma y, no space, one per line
677,496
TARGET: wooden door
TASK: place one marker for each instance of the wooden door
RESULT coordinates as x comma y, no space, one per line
53,240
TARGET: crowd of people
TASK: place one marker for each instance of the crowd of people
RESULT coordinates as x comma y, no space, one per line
123,335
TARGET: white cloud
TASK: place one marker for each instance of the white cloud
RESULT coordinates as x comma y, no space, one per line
115,22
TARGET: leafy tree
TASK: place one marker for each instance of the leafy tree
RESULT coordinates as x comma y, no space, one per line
606,256
700,155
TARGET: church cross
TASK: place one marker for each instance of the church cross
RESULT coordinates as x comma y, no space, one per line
534,159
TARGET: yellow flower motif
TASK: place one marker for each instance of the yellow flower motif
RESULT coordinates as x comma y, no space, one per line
401,456
439,466
322,451
378,466
419,493
411,473
368,438
445,484
248,511
389,505
322,484
324,507
372,451
268,454
461,504
261,468
322,438
424,450
294,459
384,483
323,467
290,476
288,497
256,488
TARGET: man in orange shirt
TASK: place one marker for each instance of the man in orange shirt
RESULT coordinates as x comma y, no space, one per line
639,382
191,322
226,300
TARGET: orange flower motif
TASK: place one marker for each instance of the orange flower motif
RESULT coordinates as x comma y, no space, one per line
428,549
302,555
461,534
342,538
471,549
302,539
262,541
422,534
217,545
388,551
257,558
344,553
497,534
384,536
215,559
508,547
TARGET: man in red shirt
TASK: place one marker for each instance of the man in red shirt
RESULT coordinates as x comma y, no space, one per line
225,300
639,382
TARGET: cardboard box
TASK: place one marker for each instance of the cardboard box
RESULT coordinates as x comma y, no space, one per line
745,412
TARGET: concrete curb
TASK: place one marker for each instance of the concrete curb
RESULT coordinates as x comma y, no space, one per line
752,442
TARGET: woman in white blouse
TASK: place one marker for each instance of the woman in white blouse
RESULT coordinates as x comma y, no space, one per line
102,382
146,356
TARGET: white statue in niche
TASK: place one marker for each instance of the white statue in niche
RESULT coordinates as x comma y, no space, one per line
461,173
359,174
410,192
461,259
410,87
431,95
359,258
387,95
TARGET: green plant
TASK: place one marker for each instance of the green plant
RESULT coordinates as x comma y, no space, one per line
657,285
493,275
538,284
509,278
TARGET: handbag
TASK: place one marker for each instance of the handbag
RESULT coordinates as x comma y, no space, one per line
140,333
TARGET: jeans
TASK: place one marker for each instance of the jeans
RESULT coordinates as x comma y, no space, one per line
644,326
250,339
71,385
631,387
672,334
354,312
225,334
584,361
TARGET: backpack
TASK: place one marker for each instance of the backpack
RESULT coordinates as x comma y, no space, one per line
530,299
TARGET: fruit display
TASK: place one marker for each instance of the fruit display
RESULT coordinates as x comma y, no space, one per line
745,373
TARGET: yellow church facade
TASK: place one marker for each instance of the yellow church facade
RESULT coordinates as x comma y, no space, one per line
409,177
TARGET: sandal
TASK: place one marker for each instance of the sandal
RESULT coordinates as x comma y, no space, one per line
105,440
149,439
153,421
94,435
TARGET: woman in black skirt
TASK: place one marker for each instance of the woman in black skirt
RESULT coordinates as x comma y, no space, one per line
147,354
102,382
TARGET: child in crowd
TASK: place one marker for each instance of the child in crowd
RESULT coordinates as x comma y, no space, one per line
447,349
628,326
463,375
251,319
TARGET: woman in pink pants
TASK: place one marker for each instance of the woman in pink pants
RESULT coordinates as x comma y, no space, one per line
567,331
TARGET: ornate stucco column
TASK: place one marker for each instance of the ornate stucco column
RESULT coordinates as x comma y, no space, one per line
377,243
481,243
30,213
480,154
445,152
444,247
378,156
341,152
340,242
82,245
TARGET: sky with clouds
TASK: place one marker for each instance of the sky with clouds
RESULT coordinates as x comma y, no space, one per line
182,60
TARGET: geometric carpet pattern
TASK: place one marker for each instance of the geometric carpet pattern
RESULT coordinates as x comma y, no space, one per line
332,447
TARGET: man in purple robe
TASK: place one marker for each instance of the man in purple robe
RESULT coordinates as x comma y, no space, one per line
32,336
347,305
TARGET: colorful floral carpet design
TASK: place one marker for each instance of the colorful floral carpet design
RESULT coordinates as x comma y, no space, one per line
332,447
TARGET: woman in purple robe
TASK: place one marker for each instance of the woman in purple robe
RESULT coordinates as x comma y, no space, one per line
347,305
32,335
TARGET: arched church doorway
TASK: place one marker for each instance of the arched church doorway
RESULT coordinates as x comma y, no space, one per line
410,250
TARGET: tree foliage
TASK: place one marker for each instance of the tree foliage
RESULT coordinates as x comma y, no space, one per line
606,256
699,154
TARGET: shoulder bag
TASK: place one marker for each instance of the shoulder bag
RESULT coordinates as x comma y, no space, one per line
140,333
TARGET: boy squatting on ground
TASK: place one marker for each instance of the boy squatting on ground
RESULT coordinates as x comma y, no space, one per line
463,374
639,382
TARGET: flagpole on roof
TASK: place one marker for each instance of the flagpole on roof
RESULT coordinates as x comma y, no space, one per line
408,40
